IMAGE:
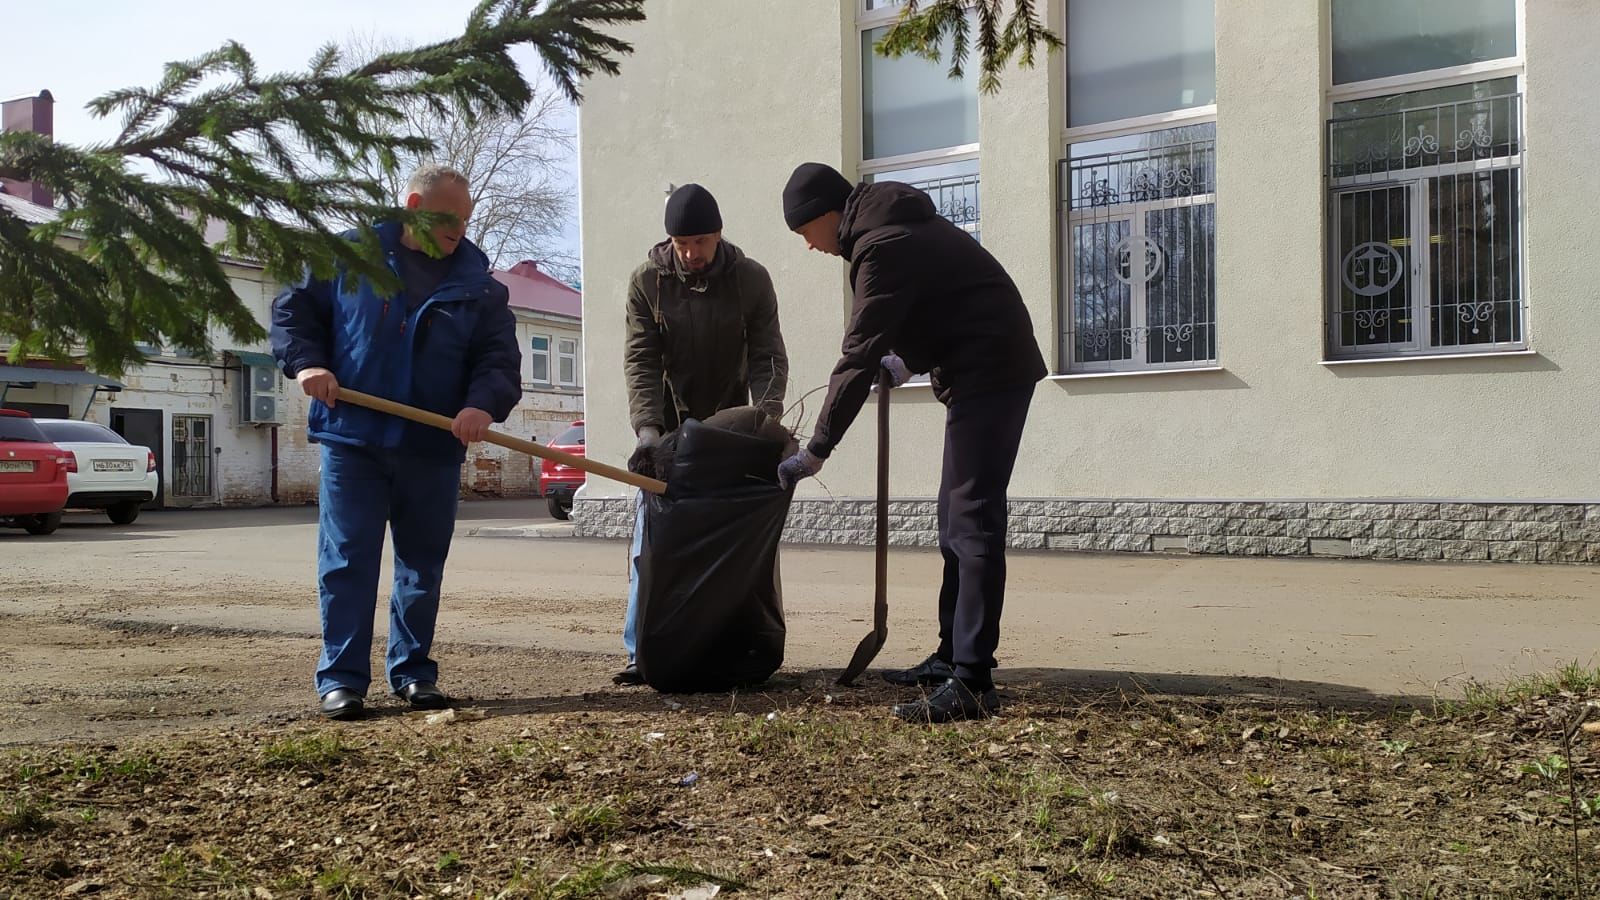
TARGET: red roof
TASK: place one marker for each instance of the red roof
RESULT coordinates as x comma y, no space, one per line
533,289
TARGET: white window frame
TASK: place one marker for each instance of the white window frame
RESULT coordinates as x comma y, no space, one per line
549,354
1135,212
1194,115
1420,346
1418,81
564,356
866,20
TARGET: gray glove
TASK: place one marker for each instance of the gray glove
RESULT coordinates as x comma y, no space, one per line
898,372
797,467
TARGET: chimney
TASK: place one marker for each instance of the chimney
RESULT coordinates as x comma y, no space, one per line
35,114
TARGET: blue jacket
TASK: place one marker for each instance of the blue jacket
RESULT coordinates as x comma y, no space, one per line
458,349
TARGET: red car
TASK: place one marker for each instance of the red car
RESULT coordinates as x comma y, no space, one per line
33,475
557,483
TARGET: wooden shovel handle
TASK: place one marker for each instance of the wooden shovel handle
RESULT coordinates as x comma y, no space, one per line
582,463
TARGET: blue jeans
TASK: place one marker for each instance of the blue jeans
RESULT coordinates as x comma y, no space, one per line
630,623
362,491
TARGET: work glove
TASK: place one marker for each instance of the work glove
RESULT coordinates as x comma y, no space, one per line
797,467
896,367
941,389
643,460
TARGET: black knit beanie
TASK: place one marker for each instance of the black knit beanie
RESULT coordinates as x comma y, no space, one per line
813,190
691,210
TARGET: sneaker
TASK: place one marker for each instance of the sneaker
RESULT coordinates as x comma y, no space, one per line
628,676
952,701
932,670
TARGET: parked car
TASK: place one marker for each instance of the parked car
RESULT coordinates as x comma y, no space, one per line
111,474
559,482
33,475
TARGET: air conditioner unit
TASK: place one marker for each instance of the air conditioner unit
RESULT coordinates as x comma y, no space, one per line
258,403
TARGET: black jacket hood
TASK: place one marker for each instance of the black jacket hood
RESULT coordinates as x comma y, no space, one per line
872,206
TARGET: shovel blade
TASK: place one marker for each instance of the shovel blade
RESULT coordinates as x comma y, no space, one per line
866,652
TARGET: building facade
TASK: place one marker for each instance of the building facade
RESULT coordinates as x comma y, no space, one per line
1309,273
212,424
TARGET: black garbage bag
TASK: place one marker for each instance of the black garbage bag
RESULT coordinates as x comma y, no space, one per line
710,602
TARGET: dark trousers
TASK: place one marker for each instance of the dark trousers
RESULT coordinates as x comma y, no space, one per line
981,438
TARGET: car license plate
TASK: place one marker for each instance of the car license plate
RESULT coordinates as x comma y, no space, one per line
16,465
113,465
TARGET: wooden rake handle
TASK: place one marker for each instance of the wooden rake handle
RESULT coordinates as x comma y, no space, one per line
583,463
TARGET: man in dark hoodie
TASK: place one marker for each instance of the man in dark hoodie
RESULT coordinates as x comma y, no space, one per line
446,342
929,298
703,336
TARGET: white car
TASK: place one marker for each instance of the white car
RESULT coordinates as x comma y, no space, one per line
108,472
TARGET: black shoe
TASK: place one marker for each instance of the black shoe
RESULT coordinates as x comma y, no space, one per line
932,670
423,695
343,704
629,676
953,701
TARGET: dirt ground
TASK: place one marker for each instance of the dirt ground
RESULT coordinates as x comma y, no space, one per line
1174,727
204,618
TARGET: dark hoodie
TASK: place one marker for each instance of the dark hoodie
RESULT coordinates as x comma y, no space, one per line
928,291
701,343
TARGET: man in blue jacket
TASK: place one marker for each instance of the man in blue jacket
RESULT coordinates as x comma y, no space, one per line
446,343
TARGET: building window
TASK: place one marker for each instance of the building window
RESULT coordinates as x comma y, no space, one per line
191,456
1425,230
918,126
1136,59
1379,39
1140,250
1138,187
539,358
1425,184
567,361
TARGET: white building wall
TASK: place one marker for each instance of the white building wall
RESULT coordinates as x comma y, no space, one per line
1276,422
730,94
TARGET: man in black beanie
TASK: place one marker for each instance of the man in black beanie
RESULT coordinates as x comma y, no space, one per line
929,298
703,336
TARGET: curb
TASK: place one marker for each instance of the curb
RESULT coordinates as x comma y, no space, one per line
549,530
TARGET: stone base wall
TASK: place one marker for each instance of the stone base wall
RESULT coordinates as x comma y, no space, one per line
1501,532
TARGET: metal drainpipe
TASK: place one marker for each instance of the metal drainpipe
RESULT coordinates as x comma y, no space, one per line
274,464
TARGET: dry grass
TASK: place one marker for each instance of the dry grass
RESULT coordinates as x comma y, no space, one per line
803,794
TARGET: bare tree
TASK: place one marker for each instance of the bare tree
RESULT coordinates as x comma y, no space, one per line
514,162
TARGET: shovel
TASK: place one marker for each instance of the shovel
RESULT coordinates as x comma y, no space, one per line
868,649
582,463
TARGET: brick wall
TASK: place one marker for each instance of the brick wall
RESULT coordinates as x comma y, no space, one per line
1500,532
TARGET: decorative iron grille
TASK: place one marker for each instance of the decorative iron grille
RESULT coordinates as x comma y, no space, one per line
956,198
1425,248
1140,250
191,456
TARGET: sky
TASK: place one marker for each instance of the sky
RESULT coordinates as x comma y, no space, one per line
83,49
